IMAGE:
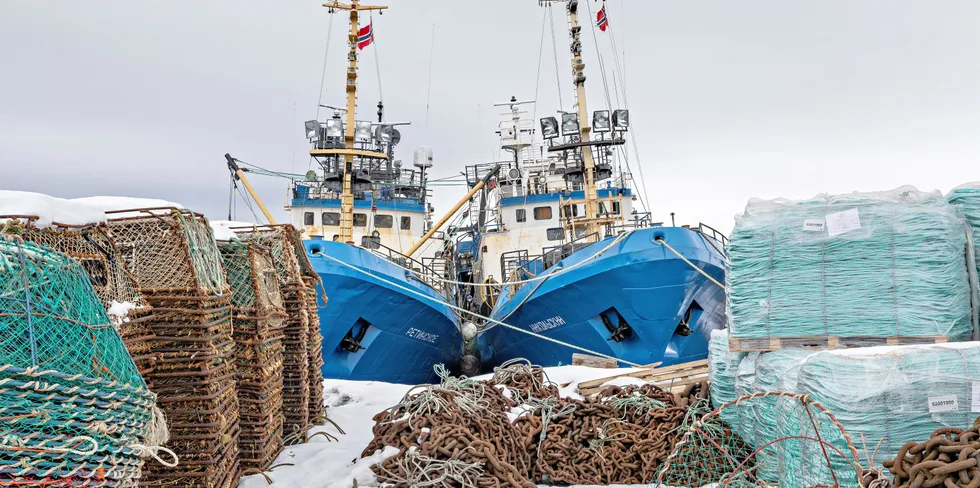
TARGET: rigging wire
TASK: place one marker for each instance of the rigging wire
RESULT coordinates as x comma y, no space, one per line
323,70
554,46
377,63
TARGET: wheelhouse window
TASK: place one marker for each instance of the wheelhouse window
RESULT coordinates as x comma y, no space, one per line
521,215
556,234
383,221
406,223
569,211
360,220
331,218
308,218
616,208
542,213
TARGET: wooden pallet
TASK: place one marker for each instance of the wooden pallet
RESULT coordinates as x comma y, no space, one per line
672,378
736,344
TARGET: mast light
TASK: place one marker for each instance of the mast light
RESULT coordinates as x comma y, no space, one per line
312,130
600,121
569,124
335,128
621,119
549,127
362,131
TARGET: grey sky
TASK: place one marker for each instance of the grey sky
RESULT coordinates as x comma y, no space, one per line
729,99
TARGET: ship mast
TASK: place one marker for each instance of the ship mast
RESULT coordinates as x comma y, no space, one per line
348,152
578,77
577,134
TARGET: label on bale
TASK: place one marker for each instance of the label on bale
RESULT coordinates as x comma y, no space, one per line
843,222
813,225
975,403
945,403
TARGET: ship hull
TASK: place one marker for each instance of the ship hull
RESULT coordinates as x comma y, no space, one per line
399,335
643,290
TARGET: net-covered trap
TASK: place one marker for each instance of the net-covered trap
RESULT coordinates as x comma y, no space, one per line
855,269
175,259
74,410
258,320
812,449
93,248
302,377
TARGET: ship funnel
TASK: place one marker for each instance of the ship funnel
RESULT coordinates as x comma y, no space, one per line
423,157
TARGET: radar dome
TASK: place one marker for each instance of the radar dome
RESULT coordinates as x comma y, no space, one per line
423,157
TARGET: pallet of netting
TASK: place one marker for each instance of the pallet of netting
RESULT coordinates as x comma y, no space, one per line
763,344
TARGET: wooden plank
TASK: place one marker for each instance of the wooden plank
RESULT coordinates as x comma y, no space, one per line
763,344
662,373
675,384
593,361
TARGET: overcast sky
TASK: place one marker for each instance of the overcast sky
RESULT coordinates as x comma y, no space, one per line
729,99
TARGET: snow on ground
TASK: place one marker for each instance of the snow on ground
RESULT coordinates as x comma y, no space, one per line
352,404
49,209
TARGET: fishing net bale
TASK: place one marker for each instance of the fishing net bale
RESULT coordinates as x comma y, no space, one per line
298,382
774,372
258,324
176,261
744,420
859,266
93,248
722,368
966,197
74,410
886,396
710,453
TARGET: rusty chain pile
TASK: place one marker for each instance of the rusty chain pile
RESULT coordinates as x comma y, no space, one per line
515,430
949,459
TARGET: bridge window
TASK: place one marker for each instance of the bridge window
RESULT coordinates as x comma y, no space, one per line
557,234
569,211
521,215
331,218
383,221
542,213
360,220
406,223
616,208
308,218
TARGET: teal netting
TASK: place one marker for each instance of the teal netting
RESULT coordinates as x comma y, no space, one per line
73,409
774,371
887,396
744,424
967,199
722,369
51,318
863,264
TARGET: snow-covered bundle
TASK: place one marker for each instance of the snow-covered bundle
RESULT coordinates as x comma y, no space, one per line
880,264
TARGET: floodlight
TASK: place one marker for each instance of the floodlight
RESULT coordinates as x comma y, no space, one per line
549,128
362,131
514,174
600,121
335,128
621,119
384,134
569,124
312,130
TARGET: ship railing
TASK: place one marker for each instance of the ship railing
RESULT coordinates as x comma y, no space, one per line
421,271
516,265
476,172
709,231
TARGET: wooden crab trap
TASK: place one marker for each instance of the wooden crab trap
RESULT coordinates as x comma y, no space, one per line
92,247
303,358
259,321
173,255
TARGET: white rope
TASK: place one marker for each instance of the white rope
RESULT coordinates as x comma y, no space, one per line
474,314
699,270
153,452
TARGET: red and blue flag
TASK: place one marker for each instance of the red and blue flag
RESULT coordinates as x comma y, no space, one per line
601,20
365,36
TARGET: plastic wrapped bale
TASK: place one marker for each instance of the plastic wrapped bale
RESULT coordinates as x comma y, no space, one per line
744,423
886,396
69,416
774,371
259,321
966,197
859,267
722,369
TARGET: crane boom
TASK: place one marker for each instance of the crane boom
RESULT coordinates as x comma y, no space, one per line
240,175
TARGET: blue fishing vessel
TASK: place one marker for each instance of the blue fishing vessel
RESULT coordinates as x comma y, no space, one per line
560,256
363,218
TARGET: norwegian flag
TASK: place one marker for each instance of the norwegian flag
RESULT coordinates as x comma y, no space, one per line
601,20
365,35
